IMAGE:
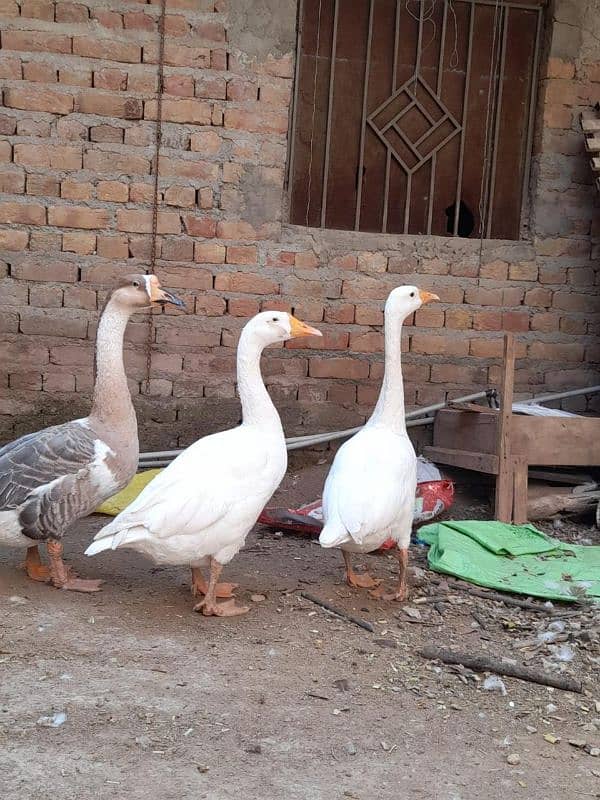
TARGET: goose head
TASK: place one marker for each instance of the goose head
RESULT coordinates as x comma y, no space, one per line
272,327
405,300
136,292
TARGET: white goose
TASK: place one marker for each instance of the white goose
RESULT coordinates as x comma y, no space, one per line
369,494
202,507
51,478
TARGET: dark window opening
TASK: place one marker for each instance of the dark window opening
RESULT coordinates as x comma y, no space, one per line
414,117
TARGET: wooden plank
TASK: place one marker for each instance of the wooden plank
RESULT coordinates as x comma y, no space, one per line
473,407
557,441
590,124
519,471
592,144
504,481
479,462
452,428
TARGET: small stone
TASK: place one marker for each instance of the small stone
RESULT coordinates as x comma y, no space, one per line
254,748
580,743
530,729
551,708
391,643
55,721
513,759
351,749
411,612
343,684
593,751
17,600
336,712
201,768
550,737
257,598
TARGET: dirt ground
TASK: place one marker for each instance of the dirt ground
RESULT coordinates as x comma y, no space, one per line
287,702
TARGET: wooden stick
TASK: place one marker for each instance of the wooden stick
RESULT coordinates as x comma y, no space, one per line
507,599
484,663
338,611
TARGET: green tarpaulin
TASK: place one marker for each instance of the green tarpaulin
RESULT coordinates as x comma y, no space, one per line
513,558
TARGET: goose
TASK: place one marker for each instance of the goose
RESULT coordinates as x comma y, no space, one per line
369,493
51,478
200,509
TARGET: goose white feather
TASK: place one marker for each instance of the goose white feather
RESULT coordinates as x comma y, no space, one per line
369,493
203,505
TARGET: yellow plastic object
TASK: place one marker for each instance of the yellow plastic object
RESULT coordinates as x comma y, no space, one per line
115,504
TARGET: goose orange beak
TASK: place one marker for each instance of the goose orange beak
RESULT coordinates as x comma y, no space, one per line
299,328
159,295
427,297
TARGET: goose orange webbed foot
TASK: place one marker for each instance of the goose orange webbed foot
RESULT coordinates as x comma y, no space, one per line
224,591
380,594
63,577
227,609
36,571
362,581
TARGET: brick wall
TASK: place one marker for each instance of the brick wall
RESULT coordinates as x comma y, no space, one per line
76,146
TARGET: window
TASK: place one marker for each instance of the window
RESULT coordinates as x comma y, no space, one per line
414,116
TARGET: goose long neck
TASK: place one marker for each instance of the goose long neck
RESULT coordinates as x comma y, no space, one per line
112,401
257,406
389,411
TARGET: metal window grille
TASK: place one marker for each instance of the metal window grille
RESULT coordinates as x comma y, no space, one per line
414,116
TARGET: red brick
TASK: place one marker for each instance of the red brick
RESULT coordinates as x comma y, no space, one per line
75,77
82,243
209,253
575,302
195,112
346,368
205,197
245,283
549,351
32,41
24,213
199,226
478,296
136,20
43,185
309,311
342,313
141,221
466,268
110,162
78,217
108,19
113,247
12,239
71,129
364,288
144,81
32,99
108,49
12,180
211,87
29,381
235,229
545,321
176,25
402,265
177,55
255,122
106,133
8,8
558,117
241,254
515,321
181,196
526,271
109,105
239,89
192,169
208,142
214,31
561,93
434,266
179,85
559,68
177,249
109,78
431,344
80,297
331,340
486,348
209,305
539,298
429,318
58,382
370,342
495,270
141,193
186,277
458,319
454,373
218,59
39,72
44,241
46,296
53,323
487,320
574,326
112,191
551,274
240,307
71,12
44,269
344,262
76,190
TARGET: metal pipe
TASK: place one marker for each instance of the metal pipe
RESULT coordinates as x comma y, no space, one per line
546,398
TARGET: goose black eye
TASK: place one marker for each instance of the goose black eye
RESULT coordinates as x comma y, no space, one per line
136,284
412,294
274,319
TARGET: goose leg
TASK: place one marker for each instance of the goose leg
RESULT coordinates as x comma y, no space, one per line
364,581
61,575
401,592
209,606
200,586
34,567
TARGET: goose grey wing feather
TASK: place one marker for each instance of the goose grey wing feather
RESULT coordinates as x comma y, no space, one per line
42,474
